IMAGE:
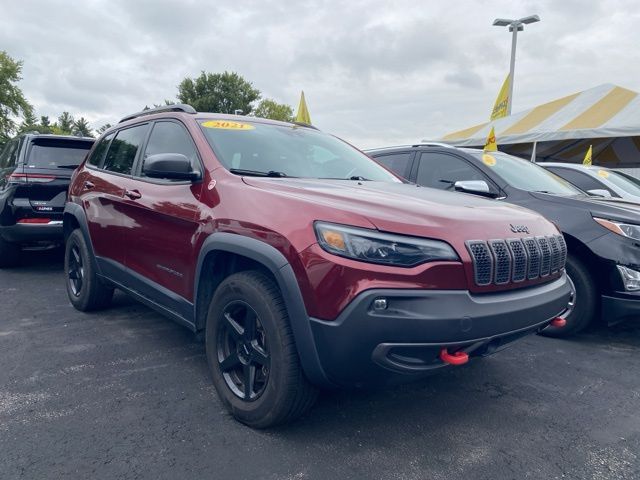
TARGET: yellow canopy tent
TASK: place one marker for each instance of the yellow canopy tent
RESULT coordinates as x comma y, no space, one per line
606,116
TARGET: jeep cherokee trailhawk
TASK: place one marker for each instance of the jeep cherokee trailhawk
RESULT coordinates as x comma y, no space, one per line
301,261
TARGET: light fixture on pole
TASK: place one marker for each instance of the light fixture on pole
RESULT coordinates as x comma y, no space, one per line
515,26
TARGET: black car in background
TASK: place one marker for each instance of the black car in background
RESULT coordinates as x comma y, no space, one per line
35,171
603,236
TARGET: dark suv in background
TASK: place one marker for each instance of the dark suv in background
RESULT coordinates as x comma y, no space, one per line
603,236
302,262
35,171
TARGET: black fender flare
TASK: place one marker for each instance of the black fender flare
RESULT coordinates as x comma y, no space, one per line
281,270
77,212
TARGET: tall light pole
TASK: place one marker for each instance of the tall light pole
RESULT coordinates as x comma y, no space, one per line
515,26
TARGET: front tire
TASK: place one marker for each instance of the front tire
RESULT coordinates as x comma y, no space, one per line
9,254
584,302
85,290
252,353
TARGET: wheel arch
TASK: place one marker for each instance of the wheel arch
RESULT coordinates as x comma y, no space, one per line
74,218
225,253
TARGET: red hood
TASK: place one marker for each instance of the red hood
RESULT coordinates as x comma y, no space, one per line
410,209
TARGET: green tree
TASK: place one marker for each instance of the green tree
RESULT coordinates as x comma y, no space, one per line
29,123
65,123
103,128
81,127
268,108
218,92
12,101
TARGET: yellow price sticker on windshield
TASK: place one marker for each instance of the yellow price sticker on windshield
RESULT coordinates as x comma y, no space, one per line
603,173
489,160
227,125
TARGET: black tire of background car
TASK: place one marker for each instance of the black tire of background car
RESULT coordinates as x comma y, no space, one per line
9,254
287,393
93,295
585,309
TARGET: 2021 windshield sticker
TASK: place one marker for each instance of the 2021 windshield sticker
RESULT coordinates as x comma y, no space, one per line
227,125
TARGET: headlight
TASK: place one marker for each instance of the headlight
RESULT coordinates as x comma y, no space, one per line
384,248
624,229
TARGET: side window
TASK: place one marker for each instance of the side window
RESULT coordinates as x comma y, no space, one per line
441,171
9,156
398,163
98,153
123,149
170,137
579,179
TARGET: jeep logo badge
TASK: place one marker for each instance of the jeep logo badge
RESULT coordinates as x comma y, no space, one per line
519,228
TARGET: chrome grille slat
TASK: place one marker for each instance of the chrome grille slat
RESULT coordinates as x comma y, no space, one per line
500,262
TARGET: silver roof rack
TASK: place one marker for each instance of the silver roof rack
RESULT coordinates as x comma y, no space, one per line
178,107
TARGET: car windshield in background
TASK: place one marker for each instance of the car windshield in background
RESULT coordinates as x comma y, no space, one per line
525,175
53,153
621,181
261,149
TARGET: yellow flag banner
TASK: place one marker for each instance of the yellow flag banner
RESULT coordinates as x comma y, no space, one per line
587,157
501,107
491,145
303,112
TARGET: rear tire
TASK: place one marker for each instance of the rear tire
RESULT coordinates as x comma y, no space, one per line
85,290
585,301
252,353
9,254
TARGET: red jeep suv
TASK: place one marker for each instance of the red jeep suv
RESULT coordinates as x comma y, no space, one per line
302,262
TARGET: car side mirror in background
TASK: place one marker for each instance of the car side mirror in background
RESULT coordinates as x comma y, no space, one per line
599,192
174,166
477,187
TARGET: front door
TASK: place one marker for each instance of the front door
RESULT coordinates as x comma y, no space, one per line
163,214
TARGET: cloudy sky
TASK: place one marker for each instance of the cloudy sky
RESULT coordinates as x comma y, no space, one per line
373,72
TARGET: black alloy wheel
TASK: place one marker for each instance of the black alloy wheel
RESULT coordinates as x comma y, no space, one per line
75,271
243,352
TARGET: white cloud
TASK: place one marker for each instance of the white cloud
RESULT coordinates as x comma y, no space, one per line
374,72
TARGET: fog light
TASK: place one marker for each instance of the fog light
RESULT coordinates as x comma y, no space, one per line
380,304
630,278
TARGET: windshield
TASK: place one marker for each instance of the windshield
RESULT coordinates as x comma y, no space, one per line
54,153
253,148
622,181
525,175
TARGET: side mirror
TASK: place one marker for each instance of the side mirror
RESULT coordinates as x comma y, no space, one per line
174,166
476,187
599,192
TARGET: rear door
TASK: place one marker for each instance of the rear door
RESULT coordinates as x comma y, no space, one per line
399,163
163,219
8,163
103,184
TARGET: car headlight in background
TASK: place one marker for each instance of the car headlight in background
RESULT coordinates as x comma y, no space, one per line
383,248
630,278
624,229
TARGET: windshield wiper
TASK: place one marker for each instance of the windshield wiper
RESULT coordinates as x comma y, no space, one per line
359,177
257,173
70,167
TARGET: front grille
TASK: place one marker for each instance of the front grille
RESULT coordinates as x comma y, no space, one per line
501,262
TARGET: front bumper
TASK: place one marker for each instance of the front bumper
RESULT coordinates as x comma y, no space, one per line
35,232
621,307
365,347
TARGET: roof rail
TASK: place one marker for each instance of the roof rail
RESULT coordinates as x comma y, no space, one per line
432,144
178,107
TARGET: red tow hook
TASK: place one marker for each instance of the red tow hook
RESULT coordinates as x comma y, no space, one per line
558,322
456,358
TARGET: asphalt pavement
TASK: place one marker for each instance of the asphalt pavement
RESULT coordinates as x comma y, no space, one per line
126,394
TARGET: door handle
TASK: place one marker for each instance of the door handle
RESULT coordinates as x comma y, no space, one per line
133,194
87,185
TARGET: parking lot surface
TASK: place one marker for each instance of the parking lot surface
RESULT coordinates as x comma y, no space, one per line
125,393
